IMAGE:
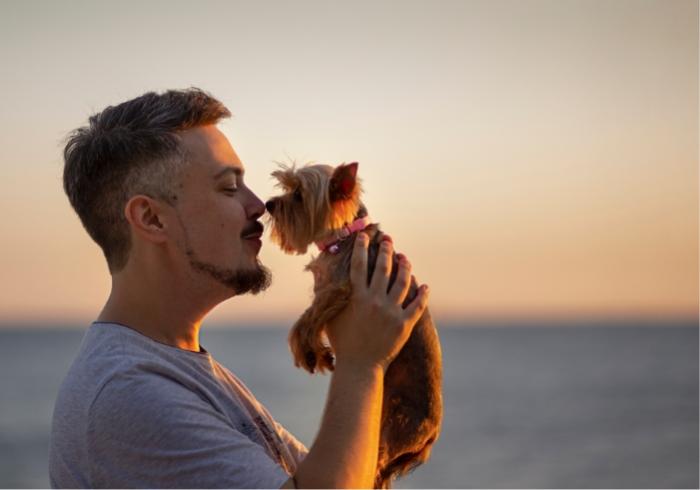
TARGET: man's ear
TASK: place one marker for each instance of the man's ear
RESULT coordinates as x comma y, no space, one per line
144,214
343,182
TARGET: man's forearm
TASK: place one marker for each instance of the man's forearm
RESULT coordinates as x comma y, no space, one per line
344,453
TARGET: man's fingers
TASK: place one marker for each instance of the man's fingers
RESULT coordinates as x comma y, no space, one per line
401,285
358,262
382,268
416,307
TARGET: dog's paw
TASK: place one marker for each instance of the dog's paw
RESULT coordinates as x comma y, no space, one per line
310,361
326,360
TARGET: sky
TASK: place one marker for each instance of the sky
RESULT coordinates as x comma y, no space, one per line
533,159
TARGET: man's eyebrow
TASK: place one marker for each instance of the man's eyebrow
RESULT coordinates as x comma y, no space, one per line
228,170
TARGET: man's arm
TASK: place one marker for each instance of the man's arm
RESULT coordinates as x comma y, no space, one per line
344,453
366,337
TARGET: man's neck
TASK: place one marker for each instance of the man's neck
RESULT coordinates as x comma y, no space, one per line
155,310
187,339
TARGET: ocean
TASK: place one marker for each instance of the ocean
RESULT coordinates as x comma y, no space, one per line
525,406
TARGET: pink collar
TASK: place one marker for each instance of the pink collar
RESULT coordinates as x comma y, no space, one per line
332,244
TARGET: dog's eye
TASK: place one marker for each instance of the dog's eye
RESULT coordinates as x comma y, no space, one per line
297,195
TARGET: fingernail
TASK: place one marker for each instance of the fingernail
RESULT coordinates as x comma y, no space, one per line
387,238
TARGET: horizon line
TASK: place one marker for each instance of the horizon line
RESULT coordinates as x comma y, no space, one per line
450,322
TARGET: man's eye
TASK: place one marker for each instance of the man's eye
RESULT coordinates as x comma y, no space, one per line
231,189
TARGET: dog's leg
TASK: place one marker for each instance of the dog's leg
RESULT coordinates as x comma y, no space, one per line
305,340
302,353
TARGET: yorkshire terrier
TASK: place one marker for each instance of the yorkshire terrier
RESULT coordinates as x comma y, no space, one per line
321,205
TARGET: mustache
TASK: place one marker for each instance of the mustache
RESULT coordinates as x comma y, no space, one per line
255,227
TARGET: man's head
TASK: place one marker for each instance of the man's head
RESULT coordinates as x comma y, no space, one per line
140,176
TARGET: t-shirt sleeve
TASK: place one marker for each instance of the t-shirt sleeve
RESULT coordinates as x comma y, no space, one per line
296,447
149,431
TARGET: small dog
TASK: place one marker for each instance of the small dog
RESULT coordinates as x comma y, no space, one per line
321,205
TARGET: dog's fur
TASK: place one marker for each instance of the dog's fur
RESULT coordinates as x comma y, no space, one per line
318,200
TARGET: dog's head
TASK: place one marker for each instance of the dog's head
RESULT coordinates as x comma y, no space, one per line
317,199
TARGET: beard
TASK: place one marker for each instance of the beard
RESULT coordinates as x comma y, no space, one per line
241,281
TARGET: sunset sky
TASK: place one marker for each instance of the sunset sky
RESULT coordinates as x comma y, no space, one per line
531,158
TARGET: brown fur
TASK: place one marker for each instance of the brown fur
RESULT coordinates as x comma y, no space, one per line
412,404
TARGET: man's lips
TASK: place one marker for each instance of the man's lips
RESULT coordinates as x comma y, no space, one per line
254,233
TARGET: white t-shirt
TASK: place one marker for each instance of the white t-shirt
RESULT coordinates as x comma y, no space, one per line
136,413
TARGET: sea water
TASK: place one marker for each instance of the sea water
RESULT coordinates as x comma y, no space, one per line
524,406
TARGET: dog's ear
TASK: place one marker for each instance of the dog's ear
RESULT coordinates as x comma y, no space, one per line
343,182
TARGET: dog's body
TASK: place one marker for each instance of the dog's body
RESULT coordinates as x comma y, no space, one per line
412,404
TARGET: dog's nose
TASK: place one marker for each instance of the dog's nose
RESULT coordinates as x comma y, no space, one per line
270,206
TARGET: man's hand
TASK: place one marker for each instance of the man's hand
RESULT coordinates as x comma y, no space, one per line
374,327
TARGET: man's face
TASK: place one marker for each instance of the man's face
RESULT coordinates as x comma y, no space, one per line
219,215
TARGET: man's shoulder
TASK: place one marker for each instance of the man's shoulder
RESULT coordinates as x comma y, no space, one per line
114,373
136,390
94,365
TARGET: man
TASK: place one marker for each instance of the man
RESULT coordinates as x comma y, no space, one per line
160,189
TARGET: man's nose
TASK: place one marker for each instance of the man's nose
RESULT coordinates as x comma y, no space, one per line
255,208
270,206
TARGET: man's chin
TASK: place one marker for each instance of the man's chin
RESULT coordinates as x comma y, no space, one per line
250,280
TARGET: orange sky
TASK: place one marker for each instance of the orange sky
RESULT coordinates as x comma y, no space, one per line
531,158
